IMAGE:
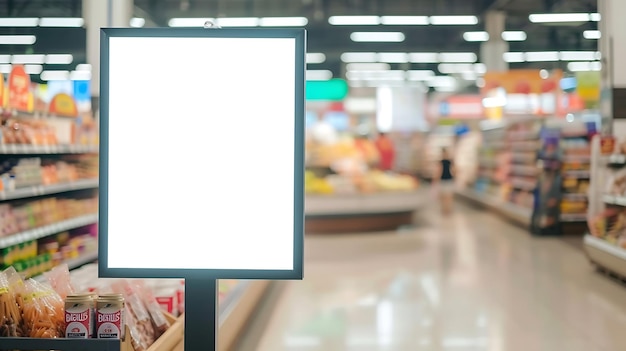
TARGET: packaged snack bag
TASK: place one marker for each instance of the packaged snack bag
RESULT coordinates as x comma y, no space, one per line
10,316
159,322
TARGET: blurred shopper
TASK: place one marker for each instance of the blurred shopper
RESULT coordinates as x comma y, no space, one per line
444,181
386,151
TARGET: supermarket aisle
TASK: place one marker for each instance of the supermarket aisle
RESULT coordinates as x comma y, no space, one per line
467,282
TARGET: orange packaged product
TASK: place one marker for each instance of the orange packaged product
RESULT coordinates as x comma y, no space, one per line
10,313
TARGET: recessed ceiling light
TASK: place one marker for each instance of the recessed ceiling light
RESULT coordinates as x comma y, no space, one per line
59,59
61,22
424,57
420,75
393,57
514,35
359,57
390,37
80,75
476,36
404,20
592,34
17,39
458,57
28,59
55,75
578,55
453,20
512,57
542,56
19,22
354,20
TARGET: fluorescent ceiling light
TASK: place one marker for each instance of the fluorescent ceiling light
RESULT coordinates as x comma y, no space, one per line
584,66
453,20
592,34
470,76
376,75
17,39
19,22
404,20
559,17
283,21
542,56
59,59
137,22
514,35
315,57
188,22
80,75
367,66
514,57
460,57
83,67
480,68
424,57
33,69
55,75
393,57
24,59
318,74
442,81
451,68
595,17
354,20
578,55
390,37
420,75
5,68
237,22
5,58
61,22
476,36
359,57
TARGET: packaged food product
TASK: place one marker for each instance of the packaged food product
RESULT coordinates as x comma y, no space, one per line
159,322
79,316
10,316
43,311
110,316
59,280
138,317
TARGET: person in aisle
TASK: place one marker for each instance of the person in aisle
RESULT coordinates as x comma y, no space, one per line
444,181
386,151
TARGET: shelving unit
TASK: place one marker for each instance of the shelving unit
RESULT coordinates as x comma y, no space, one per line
42,232
40,190
24,149
518,214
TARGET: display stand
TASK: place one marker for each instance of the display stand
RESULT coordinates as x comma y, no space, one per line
132,212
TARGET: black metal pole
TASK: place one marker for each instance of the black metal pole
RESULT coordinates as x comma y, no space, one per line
201,317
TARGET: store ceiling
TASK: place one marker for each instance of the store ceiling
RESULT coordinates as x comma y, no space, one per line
325,38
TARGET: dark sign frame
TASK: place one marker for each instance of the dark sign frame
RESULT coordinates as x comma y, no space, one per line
298,143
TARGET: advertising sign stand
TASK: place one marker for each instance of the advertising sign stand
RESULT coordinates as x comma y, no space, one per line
201,320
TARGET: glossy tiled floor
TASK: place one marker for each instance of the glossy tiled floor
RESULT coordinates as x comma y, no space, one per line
466,282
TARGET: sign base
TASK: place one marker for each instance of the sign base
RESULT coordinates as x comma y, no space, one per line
201,317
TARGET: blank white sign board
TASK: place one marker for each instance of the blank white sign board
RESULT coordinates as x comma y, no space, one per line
201,143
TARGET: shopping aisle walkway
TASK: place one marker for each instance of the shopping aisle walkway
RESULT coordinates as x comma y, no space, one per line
467,282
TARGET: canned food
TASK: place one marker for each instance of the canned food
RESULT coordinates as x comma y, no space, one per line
79,316
110,321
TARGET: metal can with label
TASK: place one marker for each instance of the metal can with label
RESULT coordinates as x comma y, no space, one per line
79,316
110,322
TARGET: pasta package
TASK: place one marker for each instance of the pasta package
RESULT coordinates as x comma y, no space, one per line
10,316
43,311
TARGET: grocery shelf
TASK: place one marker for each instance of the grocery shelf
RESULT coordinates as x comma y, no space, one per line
524,184
524,170
573,217
575,196
347,204
580,174
26,149
519,214
577,158
47,230
619,200
74,263
606,255
38,190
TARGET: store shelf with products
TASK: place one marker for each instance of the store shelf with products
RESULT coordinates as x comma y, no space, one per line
518,214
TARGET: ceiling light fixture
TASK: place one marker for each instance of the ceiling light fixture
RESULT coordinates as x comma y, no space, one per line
595,17
381,37
420,75
5,68
514,35
476,36
458,57
59,59
404,20
283,21
237,21
584,66
188,22
424,57
359,57
393,57
80,75
578,55
592,34
354,20
315,57
33,69
137,22
542,56
54,75
61,22
367,66
17,39
453,20
83,67
559,17
319,74
28,59
5,58
19,22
